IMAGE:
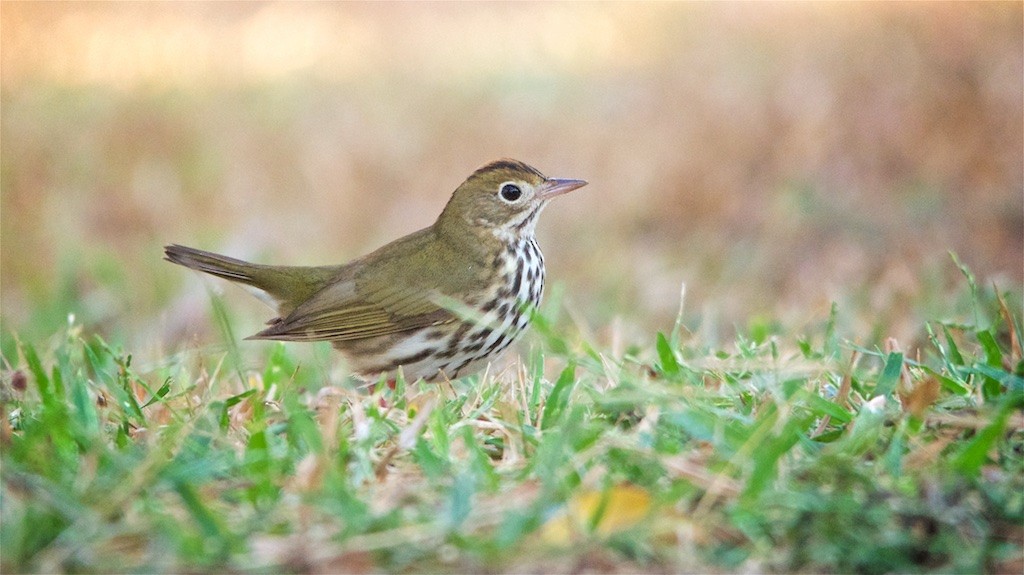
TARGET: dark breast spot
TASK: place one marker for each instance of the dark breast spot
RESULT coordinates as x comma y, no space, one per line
435,334
418,356
518,281
455,340
498,344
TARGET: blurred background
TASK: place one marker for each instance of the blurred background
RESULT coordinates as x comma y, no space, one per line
774,157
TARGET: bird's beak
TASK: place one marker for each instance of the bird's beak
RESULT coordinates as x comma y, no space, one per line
556,186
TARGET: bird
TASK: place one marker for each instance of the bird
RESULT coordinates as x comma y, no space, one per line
437,304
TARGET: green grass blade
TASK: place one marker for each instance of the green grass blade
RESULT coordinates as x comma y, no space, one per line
973,456
668,364
954,352
559,397
890,374
38,373
821,407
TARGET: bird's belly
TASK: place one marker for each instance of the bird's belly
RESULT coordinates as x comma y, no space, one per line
461,346
435,353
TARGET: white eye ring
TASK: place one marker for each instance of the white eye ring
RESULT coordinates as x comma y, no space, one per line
510,192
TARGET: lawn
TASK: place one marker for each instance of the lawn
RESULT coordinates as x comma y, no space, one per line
781,451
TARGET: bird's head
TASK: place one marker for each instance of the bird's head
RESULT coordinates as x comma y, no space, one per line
504,198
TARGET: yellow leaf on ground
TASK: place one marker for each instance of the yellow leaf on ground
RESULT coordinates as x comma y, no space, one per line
602,513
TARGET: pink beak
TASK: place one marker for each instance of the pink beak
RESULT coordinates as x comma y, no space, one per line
556,186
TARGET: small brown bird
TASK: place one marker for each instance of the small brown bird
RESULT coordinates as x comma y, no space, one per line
440,302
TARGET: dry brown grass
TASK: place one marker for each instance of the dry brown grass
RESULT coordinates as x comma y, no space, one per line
775,158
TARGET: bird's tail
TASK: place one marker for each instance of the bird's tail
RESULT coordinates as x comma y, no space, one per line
213,264
282,287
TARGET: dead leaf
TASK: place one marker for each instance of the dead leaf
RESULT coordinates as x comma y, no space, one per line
921,397
602,513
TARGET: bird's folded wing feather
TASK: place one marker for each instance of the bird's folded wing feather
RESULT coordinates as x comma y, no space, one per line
383,293
330,316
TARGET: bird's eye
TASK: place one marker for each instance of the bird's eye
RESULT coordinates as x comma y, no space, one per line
510,192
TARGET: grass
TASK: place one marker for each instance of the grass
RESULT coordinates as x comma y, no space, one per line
783,452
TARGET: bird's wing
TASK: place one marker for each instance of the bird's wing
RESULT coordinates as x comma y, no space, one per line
389,291
337,314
